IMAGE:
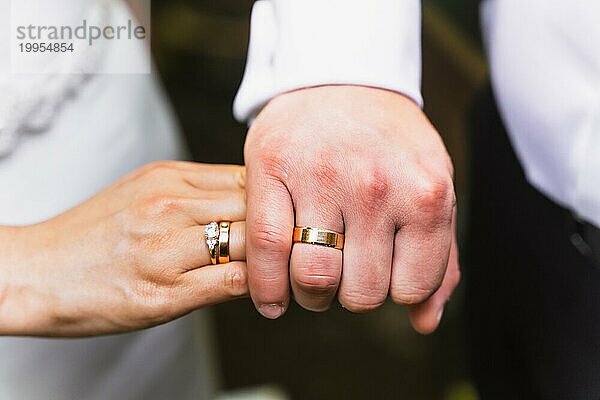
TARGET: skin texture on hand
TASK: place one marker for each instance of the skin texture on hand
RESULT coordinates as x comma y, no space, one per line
131,257
357,160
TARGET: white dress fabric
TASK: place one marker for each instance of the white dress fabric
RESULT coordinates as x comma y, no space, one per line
99,129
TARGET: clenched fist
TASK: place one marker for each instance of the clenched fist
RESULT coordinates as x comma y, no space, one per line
360,161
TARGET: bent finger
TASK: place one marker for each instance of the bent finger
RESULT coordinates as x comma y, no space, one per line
422,245
426,317
269,229
367,264
315,271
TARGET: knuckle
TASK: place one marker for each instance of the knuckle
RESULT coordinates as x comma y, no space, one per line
316,271
317,284
412,294
435,199
269,237
144,229
147,169
236,281
157,166
362,302
144,246
160,171
160,205
374,187
274,164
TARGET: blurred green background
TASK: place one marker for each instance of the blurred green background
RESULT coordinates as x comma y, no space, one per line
200,48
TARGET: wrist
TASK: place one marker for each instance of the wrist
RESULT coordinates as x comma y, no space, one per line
363,92
25,305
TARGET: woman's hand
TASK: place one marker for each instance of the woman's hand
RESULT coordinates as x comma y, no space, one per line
131,257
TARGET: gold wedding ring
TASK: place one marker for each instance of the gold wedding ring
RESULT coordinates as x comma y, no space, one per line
224,242
217,240
319,237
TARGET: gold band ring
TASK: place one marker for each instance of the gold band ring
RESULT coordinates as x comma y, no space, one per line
224,242
319,237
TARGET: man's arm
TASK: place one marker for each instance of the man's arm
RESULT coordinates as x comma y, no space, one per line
342,144
297,44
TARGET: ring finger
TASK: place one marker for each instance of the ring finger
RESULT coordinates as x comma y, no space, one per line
197,250
315,271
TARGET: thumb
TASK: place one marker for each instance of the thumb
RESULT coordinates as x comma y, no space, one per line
214,284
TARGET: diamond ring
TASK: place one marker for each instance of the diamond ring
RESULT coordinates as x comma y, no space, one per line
217,240
211,233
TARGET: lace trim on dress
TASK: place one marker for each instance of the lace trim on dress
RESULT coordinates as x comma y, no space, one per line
30,103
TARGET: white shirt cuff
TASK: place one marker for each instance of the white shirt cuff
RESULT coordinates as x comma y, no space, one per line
304,43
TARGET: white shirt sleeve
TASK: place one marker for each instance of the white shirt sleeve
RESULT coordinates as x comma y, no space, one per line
304,43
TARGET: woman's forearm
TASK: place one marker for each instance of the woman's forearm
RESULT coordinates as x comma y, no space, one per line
47,284
21,304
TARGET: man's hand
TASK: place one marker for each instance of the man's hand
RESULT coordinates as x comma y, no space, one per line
364,162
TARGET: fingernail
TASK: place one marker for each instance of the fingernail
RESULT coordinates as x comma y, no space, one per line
271,311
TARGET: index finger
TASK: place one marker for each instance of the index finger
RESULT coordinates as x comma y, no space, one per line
269,229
